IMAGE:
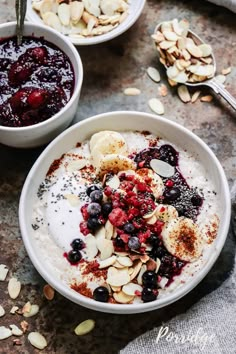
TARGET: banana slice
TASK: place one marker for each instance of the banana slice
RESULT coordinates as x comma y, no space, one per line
115,163
182,239
166,212
108,142
154,181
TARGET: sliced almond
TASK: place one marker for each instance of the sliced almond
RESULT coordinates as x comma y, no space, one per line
163,61
166,44
151,264
207,60
33,311
162,283
100,234
195,96
170,36
158,37
184,94
64,13
76,165
118,265
91,248
132,91
26,307
144,258
207,98
116,289
172,82
14,309
84,327
131,288
2,311
118,277
125,261
24,325
37,340
154,74
162,168
122,254
113,182
107,262
45,6
158,264
140,275
48,292
109,228
156,106
176,27
181,43
105,247
3,272
226,71
136,269
162,89
205,49
122,298
172,72
16,331
205,70
152,220
14,287
76,11
5,332
52,20
166,26
181,78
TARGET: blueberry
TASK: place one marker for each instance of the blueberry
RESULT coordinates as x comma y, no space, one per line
196,200
106,208
172,194
153,240
148,295
91,188
134,243
74,256
93,223
94,209
119,242
181,210
168,154
96,196
128,228
158,252
101,294
149,279
77,244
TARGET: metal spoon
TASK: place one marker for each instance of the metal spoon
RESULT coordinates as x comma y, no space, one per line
20,7
213,83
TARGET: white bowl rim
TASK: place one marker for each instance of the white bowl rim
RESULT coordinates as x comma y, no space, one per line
128,308
77,87
103,37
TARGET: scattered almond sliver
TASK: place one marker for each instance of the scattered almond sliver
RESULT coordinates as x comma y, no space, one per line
220,79
24,325
163,90
195,96
37,340
5,332
84,327
48,292
3,272
34,309
2,311
14,287
226,71
16,331
156,106
132,91
207,98
153,73
183,93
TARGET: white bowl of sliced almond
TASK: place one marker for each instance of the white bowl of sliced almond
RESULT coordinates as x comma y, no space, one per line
124,220
86,22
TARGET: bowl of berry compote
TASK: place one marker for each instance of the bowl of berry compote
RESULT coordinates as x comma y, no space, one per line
40,83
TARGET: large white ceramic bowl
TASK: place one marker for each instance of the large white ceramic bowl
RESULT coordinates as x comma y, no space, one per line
42,133
121,121
135,10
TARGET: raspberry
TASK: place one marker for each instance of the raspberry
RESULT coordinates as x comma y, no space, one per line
125,238
37,98
117,217
141,187
157,227
39,54
169,183
143,236
107,191
18,99
83,228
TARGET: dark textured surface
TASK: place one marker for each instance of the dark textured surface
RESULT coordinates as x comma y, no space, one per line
108,69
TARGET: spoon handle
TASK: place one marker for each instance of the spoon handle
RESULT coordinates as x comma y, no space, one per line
20,18
219,88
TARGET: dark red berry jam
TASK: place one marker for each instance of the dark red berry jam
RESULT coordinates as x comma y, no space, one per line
36,81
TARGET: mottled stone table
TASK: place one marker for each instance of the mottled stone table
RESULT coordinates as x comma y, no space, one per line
108,69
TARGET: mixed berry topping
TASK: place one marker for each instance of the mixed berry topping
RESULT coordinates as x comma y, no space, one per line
35,83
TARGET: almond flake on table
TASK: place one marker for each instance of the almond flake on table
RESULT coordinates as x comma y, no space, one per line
84,327
183,93
3,272
220,79
195,96
156,106
34,309
132,91
226,71
2,311
162,89
16,331
37,340
24,325
5,332
154,74
14,287
207,98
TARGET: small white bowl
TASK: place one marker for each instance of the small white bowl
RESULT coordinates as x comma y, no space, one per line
41,133
135,10
121,121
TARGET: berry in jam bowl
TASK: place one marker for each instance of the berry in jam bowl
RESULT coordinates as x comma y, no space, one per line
40,84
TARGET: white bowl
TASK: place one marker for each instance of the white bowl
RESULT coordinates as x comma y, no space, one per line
42,133
123,121
135,10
